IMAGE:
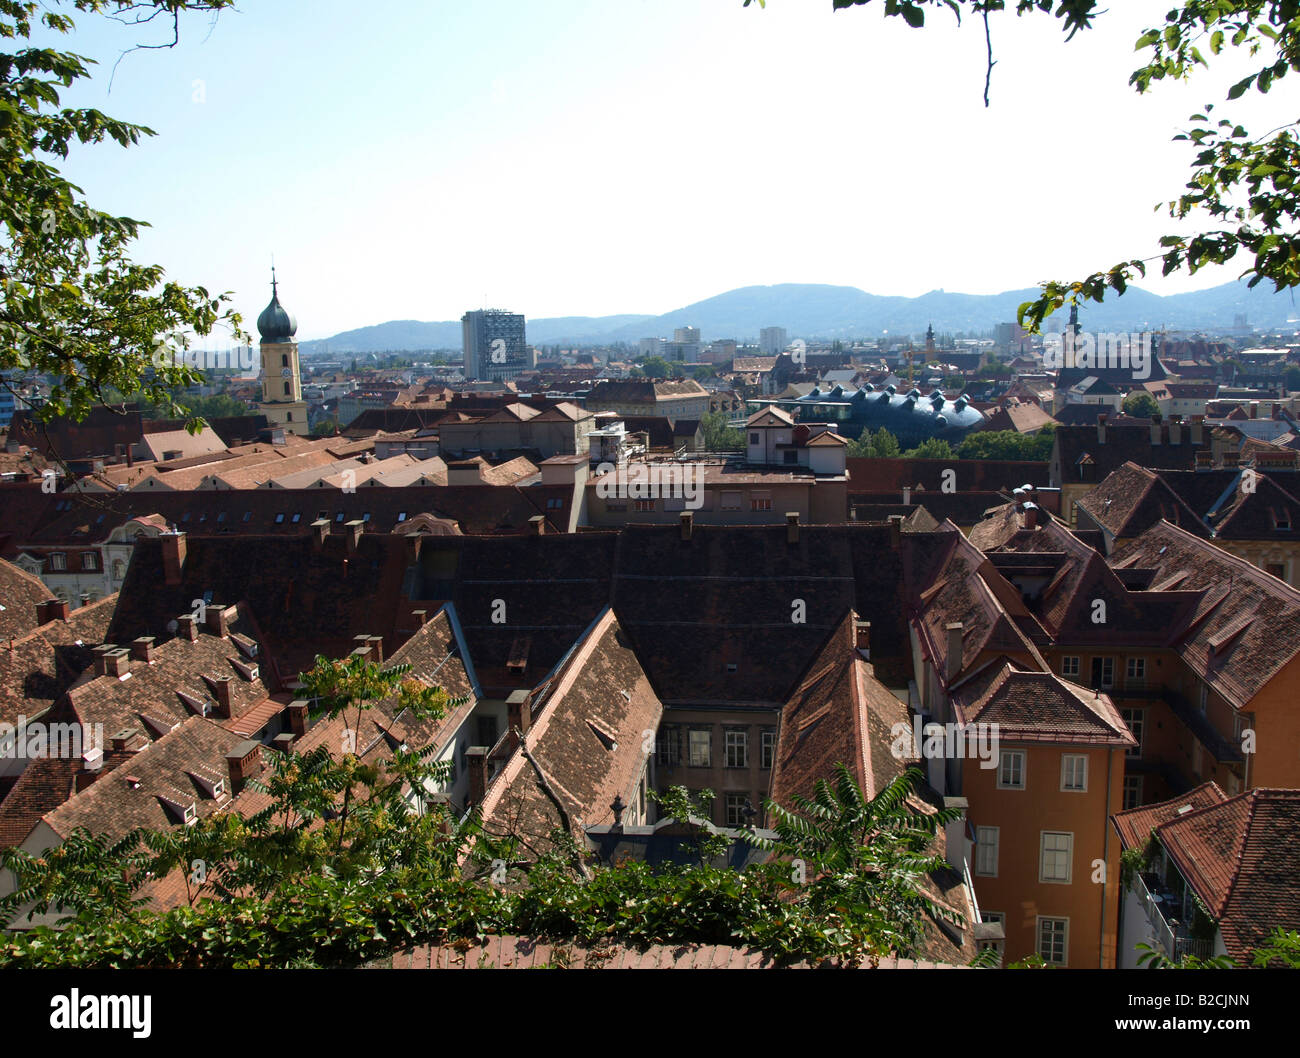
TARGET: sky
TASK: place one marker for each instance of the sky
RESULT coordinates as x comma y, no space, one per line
407,160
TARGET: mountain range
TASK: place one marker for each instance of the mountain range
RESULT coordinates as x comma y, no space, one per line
814,310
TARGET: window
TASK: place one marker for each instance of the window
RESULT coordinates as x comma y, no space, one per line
1135,673
1011,770
1053,940
737,748
995,917
284,360
735,805
297,517
1132,791
221,517
643,505
1276,569
1133,718
279,518
701,739
615,507
760,501
668,746
1056,856
730,501
119,569
554,504
791,457
1070,667
1074,772
339,517
286,389
754,439
986,851
248,515
58,560
767,750
89,560
1103,672
1203,698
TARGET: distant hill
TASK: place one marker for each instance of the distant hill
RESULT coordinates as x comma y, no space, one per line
814,310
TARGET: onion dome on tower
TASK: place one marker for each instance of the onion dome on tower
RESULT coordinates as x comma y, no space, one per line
275,324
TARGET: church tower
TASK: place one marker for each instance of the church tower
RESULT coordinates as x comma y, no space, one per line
282,402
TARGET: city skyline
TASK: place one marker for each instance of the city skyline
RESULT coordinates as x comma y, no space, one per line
483,169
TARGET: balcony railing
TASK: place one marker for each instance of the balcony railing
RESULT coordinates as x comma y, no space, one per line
1171,934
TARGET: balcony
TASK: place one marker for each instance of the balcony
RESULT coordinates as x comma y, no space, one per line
1163,909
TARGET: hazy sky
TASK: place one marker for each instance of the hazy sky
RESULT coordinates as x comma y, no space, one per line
585,157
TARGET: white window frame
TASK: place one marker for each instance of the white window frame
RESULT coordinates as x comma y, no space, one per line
1070,666
1065,938
1133,782
1135,672
1070,762
735,739
983,844
1006,755
1043,851
1129,716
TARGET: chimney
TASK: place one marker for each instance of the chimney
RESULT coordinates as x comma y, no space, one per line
244,762
51,610
173,556
118,662
120,741
519,707
297,713
142,649
791,527
862,635
537,525
1031,515
421,616
895,531
476,759
320,529
1101,429
188,627
687,522
377,649
413,544
354,529
954,630
907,495
217,619
221,690
101,653
1155,431
1175,431
1198,429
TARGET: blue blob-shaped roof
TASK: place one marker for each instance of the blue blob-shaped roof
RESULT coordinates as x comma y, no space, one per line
276,324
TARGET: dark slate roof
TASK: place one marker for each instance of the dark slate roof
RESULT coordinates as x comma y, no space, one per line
971,475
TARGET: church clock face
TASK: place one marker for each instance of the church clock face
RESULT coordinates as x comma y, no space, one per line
286,373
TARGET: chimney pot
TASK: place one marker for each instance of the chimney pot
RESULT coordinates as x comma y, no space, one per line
476,758
537,525
297,715
421,616
217,619
354,530
142,649
221,689
519,708
244,762
320,529
954,630
687,522
188,627
173,556
791,527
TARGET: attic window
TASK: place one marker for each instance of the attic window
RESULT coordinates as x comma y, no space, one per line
185,517
401,516
1281,520
279,518
731,666
339,517
601,732
297,517
221,517
248,515
366,517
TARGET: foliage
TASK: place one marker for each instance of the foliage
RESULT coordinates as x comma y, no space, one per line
703,373
342,867
1008,445
657,367
679,803
865,855
1155,959
718,436
879,445
1243,188
1283,949
73,305
1141,405
996,369
931,448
